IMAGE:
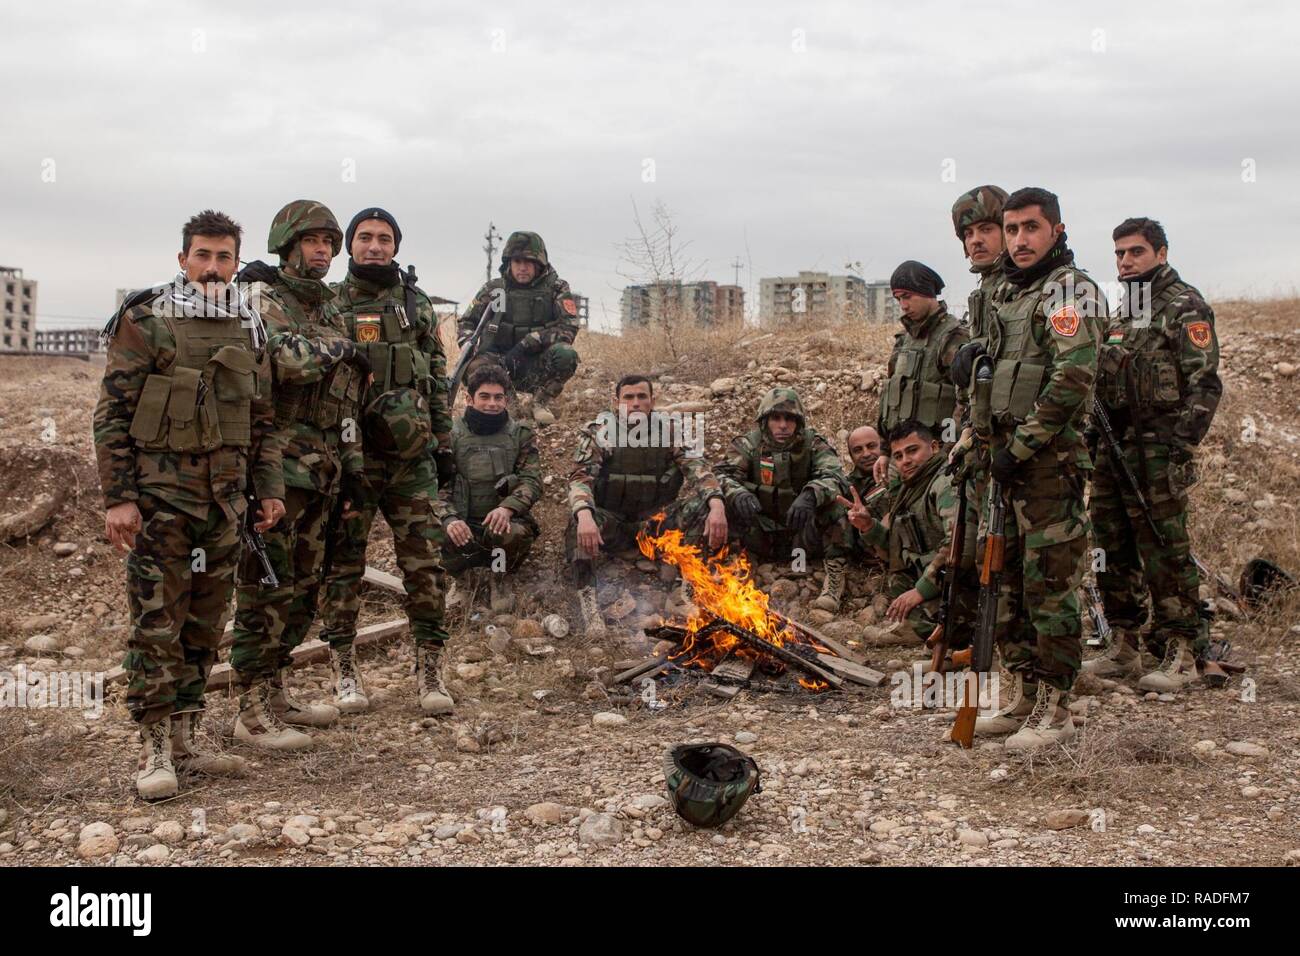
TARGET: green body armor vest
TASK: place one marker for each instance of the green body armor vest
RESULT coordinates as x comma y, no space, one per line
204,400
779,475
481,462
918,388
527,310
1145,365
916,529
636,482
395,358
324,404
1022,363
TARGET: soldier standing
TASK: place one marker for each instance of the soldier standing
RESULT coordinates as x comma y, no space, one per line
781,481
184,434
405,430
497,478
630,466
320,375
534,325
1041,338
1158,380
977,219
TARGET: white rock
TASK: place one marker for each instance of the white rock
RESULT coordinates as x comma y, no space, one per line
169,832
608,719
154,854
746,737
972,838
545,814
1244,748
41,644
96,840
600,829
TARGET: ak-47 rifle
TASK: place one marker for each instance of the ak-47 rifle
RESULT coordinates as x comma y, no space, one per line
254,542
1220,582
941,636
1101,632
468,349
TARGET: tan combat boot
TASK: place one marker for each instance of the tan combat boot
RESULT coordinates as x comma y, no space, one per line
189,758
1122,658
1016,698
593,621
435,699
259,725
1049,722
295,713
833,586
349,692
543,399
1176,671
155,776
501,597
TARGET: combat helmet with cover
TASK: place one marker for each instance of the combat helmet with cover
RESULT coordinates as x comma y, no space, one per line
299,216
709,783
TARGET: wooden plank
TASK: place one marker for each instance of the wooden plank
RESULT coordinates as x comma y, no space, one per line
854,672
382,579
734,669
646,668
840,649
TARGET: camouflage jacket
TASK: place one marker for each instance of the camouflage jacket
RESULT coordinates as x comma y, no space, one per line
917,531
1160,370
306,338
594,452
143,344
874,496
825,476
1044,336
525,478
356,296
562,324
919,385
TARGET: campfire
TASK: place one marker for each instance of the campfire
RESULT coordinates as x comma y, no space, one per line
733,631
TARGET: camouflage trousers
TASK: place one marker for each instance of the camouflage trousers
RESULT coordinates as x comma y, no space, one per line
179,605
1136,565
481,551
548,369
271,622
923,618
619,531
1039,629
830,536
404,491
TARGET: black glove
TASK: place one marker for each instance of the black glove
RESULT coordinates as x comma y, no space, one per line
356,357
446,466
514,360
1004,466
746,505
355,489
803,511
963,363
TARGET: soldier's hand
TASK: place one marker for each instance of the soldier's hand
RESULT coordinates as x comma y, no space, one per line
746,505
354,494
498,520
269,512
589,539
531,343
963,363
859,516
1004,466
880,469
121,524
803,511
715,526
459,533
514,360
904,604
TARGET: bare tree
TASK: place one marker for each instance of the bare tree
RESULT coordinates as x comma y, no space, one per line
658,258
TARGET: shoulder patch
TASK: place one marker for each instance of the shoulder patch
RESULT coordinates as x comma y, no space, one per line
1065,321
1200,334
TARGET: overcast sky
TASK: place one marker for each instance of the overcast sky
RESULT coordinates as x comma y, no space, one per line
793,135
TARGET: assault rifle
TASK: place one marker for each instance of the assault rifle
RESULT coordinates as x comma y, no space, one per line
253,541
468,349
1101,632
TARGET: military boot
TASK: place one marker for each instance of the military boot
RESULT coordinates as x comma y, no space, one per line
1122,658
259,725
1176,671
593,621
155,776
292,711
189,758
349,692
1016,696
832,586
543,400
435,699
1049,722
501,597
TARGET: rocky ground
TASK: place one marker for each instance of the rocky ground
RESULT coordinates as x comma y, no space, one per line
543,764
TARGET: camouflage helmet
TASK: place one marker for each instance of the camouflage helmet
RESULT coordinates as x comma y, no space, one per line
397,425
298,217
781,400
981,204
524,245
709,783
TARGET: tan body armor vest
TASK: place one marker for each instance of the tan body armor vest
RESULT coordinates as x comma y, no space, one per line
918,388
778,476
482,462
635,482
395,356
527,310
916,529
1145,366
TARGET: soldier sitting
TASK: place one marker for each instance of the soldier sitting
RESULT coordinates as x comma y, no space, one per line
915,534
536,321
631,466
781,481
497,480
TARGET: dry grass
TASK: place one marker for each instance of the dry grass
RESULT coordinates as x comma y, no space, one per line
1108,763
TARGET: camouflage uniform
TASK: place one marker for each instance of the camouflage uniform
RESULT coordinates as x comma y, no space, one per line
779,473
919,386
1043,327
405,420
624,487
190,480
535,336
317,395
500,469
1159,383
981,204
916,536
